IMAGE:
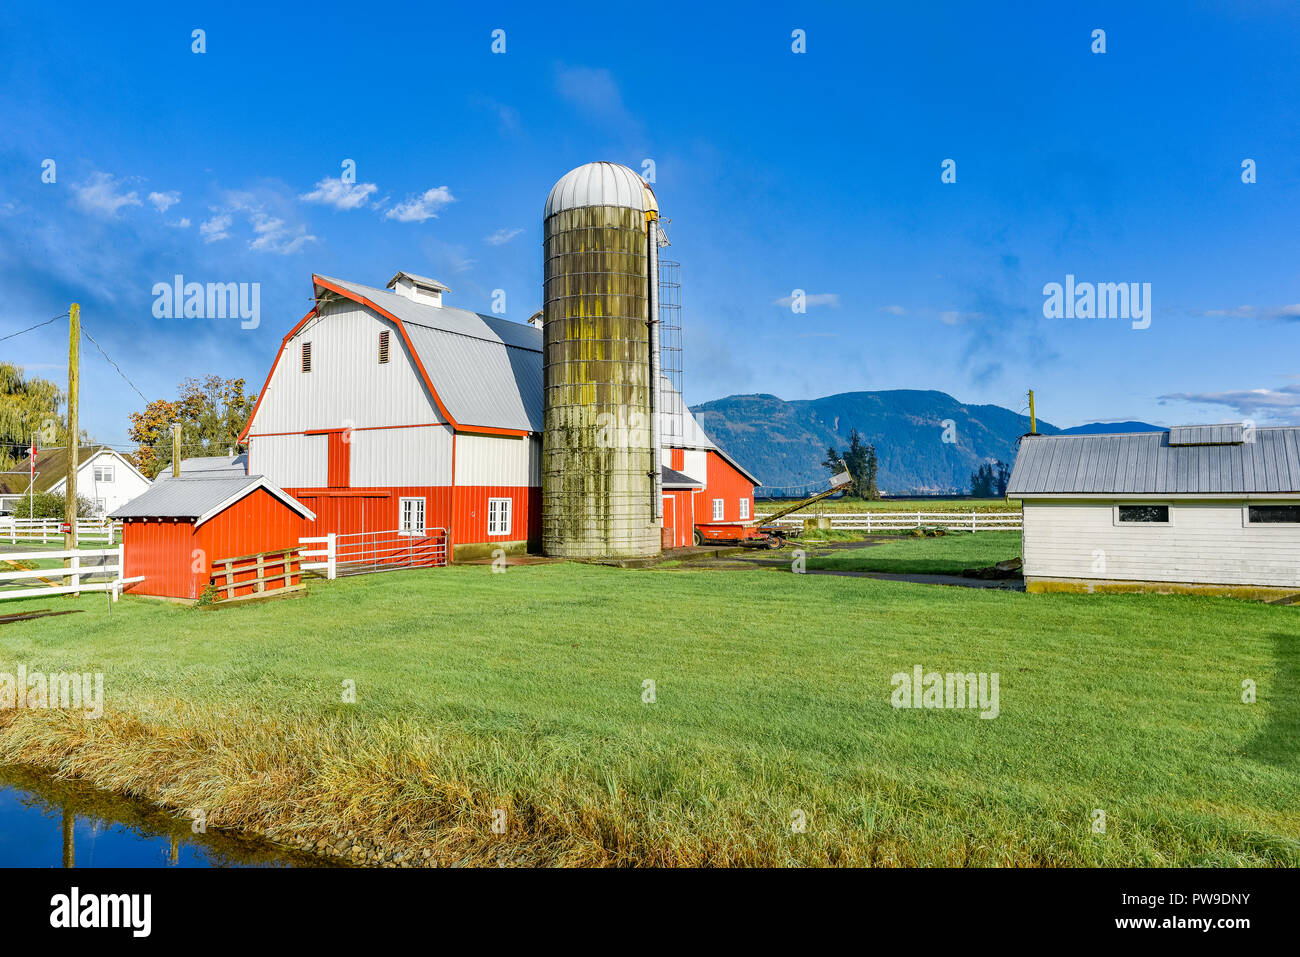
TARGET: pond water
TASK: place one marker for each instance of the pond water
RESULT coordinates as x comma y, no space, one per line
49,823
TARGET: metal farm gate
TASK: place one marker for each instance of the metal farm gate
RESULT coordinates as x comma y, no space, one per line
359,553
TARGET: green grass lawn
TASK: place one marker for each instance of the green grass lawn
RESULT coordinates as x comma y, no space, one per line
947,555
524,691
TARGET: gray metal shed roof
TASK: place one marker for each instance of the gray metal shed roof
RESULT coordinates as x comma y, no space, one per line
211,466
675,479
196,495
1147,463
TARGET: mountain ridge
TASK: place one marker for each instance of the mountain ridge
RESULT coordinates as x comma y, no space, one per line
783,442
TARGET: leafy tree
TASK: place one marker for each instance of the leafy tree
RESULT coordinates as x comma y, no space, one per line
990,480
48,505
29,407
860,459
211,411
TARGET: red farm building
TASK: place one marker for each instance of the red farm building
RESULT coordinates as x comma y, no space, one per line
175,532
387,411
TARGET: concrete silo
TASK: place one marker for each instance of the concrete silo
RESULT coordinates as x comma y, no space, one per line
601,493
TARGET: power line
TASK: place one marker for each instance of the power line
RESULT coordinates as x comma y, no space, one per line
30,328
86,333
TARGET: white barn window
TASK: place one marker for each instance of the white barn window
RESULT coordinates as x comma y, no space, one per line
498,516
411,516
744,508
103,473
1273,514
717,510
1142,514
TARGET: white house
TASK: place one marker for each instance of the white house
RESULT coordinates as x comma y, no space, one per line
104,476
1202,508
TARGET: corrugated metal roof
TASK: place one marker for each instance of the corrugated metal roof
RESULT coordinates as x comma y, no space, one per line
675,479
487,370
600,184
184,496
1229,433
211,466
1146,463
198,494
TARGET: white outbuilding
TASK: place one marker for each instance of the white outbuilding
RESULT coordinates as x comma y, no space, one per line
1202,508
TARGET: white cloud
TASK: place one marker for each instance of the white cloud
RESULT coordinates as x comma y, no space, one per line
811,299
1290,313
182,223
101,194
894,310
218,227
165,201
1247,402
340,195
502,236
416,209
273,236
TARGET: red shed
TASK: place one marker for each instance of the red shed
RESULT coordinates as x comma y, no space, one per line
175,532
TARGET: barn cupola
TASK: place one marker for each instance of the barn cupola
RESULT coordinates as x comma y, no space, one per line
419,289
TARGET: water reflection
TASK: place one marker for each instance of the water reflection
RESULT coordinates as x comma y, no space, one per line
45,822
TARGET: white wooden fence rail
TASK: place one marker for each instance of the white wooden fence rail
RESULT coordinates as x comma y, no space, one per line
84,564
971,521
49,530
357,552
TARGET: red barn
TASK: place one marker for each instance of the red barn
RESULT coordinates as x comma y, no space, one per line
173,533
386,410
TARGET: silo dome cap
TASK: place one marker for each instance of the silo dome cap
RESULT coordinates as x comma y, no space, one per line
601,184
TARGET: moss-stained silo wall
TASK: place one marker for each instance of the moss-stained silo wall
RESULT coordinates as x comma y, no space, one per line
596,449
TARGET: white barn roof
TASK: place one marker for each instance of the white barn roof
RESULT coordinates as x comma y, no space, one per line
1185,461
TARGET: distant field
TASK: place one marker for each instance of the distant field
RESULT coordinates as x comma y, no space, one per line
524,695
764,506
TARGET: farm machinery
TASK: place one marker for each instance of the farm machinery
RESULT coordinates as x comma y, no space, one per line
762,532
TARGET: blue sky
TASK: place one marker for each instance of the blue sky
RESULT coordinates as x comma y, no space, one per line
779,171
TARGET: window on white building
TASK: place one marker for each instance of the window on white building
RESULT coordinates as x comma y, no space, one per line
717,510
411,516
103,473
1273,514
498,516
744,508
1144,514
383,346
306,357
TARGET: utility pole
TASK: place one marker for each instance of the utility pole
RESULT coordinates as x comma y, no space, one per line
176,450
1033,419
70,487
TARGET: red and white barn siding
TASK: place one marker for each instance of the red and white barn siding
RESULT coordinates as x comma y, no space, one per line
353,437
721,479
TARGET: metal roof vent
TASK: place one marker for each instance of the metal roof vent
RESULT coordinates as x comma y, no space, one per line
1230,433
419,289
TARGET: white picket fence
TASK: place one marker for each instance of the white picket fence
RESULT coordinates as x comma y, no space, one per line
50,530
882,521
88,570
